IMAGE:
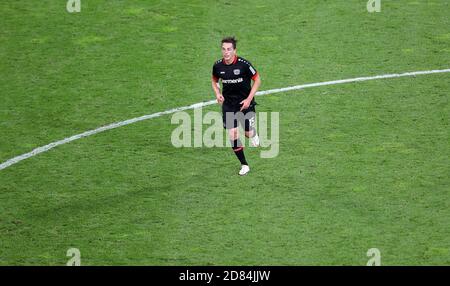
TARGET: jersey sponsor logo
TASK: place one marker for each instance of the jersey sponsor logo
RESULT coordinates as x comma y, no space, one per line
238,80
237,71
222,72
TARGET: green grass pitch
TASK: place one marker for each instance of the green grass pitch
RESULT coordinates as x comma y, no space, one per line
361,165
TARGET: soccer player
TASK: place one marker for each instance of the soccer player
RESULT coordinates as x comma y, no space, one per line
236,97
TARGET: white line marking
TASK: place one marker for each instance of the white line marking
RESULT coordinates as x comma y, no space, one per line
52,145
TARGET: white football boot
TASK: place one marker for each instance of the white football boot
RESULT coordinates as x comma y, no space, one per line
244,170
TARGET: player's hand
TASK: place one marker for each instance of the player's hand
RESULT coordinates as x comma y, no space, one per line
245,104
220,99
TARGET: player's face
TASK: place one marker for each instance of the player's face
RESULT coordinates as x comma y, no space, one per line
228,52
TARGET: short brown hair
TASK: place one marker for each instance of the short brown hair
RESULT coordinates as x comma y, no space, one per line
232,40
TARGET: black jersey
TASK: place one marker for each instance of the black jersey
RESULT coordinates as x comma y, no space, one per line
236,79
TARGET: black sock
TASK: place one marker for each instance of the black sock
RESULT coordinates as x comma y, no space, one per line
239,151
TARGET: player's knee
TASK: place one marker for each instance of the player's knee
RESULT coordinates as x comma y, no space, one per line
249,133
233,134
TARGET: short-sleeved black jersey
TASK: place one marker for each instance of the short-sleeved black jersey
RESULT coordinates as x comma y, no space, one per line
236,79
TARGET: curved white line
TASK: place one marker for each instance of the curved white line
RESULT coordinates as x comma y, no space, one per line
52,145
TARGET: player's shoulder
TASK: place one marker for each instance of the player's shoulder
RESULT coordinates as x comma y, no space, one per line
218,62
244,61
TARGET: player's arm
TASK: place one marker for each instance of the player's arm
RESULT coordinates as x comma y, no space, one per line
215,87
255,87
256,83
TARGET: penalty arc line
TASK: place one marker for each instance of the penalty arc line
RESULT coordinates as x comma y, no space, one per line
52,145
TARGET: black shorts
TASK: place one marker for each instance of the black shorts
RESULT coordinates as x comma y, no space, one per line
231,115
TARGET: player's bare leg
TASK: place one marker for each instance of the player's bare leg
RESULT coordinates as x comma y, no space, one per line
250,130
254,138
